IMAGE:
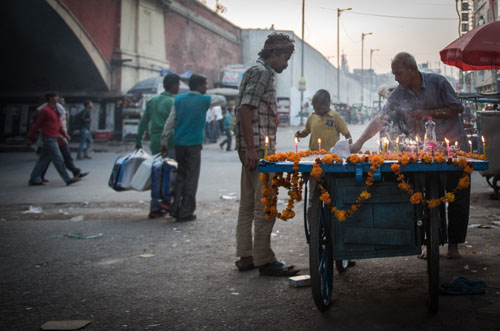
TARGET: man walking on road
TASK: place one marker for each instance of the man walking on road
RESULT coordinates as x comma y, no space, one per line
418,96
226,126
156,113
49,123
85,135
187,123
63,143
255,120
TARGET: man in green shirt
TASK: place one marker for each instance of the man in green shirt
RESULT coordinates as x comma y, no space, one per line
156,113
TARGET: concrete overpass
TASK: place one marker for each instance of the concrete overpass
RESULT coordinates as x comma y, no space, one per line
45,47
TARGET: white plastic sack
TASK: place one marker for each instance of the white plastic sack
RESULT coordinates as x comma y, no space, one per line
341,148
131,165
142,178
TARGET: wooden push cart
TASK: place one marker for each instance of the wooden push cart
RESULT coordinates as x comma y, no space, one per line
386,225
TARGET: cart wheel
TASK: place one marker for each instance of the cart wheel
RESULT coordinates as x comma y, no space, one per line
341,265
432,244
320,257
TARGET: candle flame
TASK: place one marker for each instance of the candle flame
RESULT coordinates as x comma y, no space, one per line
482,138
296,140
267,139
456,143
416,139
386,140
470,142
447,141
319,140
397,139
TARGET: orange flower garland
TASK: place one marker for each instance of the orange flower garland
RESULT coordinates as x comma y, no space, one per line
294,182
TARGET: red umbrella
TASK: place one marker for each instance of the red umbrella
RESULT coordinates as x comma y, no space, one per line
478,49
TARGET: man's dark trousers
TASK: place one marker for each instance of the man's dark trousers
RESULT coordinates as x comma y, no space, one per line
68,161
188,173
458,211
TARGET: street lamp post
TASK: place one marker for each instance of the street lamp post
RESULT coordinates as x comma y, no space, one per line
371,74
339,11
362,71
302,66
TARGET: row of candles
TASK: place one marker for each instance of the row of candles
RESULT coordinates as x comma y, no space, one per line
386,145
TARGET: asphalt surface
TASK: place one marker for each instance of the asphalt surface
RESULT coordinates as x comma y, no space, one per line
141,274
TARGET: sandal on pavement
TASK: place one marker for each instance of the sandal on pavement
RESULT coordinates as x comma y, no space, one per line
245,263
278,269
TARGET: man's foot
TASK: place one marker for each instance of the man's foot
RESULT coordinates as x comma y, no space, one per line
82,174
186,219
423,255
79,158
220,145
156,214
245,263
45,180
34,183
278,269
453,253
72,181
87,157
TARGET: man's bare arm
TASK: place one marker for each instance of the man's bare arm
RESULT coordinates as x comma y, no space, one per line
371,130
246,117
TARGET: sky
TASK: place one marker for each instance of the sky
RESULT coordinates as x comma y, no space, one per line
423,38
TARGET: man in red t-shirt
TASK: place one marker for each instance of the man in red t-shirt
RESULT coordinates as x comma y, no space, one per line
49,123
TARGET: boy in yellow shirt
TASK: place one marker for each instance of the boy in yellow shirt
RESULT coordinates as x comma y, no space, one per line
324,123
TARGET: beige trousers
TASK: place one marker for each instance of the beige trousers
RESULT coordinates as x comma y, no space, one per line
251,212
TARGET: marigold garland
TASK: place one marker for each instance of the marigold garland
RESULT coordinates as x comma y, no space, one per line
294,182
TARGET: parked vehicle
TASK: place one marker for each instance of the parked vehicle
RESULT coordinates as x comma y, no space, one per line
283,110
344,110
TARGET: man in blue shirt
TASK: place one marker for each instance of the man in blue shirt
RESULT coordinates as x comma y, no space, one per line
418,96
187,121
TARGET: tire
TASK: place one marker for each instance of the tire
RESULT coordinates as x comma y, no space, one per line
432,233
320,256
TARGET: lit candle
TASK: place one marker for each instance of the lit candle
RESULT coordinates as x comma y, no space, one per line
296,145
447,146
265,148
319,144
470,145
416,139
383,147
411,147
484,146
397,145
378,142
